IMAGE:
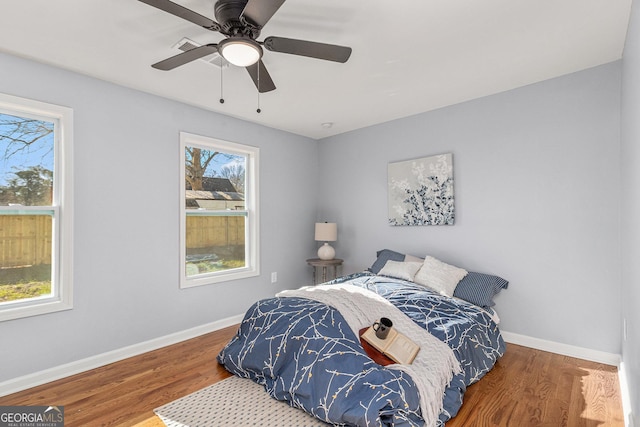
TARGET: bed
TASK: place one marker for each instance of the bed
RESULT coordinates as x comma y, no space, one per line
304,347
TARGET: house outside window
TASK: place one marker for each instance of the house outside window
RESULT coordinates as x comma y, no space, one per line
35,208
219,215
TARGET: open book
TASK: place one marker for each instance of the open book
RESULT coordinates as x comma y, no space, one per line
396,346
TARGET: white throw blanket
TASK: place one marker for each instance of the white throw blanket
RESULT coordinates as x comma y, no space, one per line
433,367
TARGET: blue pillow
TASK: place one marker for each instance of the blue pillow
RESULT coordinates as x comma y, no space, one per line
382,257
479,288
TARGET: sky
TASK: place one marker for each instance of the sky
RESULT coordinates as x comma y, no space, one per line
220,161
39,154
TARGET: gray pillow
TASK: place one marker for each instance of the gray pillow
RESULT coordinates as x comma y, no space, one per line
382,257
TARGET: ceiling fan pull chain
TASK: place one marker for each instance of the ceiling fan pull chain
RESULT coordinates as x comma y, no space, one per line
258,110
221,94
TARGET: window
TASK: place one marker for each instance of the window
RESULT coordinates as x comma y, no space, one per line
219,215
35,207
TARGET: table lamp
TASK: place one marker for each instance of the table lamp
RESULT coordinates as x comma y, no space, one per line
326,232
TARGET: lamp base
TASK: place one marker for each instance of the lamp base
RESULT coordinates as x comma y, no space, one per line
326,252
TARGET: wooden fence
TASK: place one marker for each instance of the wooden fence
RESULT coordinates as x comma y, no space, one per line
25,240
207,231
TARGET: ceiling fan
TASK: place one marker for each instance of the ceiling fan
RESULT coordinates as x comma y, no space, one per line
240,21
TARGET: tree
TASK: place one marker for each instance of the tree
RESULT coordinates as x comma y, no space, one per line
196,162
26,167
30,187
21,134
234,173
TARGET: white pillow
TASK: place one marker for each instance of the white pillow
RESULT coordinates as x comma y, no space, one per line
411,258
400,270
439,276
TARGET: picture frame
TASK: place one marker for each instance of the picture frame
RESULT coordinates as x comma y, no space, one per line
420,191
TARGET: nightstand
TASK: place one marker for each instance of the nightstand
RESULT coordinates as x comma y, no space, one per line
324,269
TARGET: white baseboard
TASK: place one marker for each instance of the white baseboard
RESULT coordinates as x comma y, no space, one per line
93,362
564,349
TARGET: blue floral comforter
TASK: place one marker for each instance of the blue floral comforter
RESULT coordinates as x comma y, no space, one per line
304,352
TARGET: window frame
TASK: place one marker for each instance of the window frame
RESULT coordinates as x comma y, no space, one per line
61,209
250,212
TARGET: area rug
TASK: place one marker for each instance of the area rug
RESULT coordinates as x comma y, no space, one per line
237,402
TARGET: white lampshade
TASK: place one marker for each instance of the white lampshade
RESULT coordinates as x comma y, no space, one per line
326,232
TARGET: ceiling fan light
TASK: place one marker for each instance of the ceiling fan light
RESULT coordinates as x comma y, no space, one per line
241,52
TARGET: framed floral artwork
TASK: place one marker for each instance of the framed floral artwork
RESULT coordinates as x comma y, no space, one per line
421,191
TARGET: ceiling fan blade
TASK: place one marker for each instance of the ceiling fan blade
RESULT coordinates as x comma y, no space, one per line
258,12
261,77
185,57
184,13
325,51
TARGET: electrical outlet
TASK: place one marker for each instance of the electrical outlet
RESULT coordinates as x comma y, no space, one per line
274,277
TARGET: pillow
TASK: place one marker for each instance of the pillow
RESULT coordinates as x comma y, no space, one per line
411,258
384,256
479,288
439,276
400,270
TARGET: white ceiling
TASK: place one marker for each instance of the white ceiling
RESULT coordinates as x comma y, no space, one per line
409,56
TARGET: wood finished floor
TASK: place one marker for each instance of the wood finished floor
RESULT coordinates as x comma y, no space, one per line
526,388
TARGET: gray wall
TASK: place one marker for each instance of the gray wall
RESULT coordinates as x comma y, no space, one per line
537,191
126,181
631,207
